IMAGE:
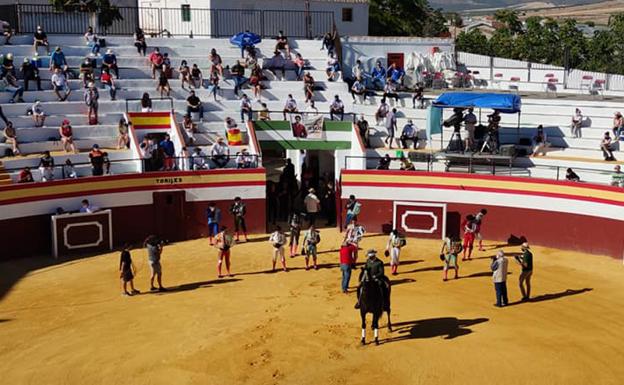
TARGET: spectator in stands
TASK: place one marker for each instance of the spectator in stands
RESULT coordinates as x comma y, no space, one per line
618,125
190,128
264,113
67,137
86,72
2,116
391,126
163,84
69,172
308,86
91,98
194,104
167,69
419,96
328,42
185,74
37,114
216,62
230,124
571,176
406,164
58,60
156,62
10,138
139,41
92,41
107,81
238,74
109,61
470,123
282,43
290,106
358,89
25,176
617,178
41,40
358,72
8,66
197,77
243,159
30,72
146,103
577,123
409,133
220,153
276,63
87,207
46,166
96,156
146,148
333,67
184,159
246,109
107,163
606,146
251,61
60,84
256,84
198,160
213,85
154,251
298,129
169,149
7,31
379,76
336,108
384,162
123,137
10,84
390,91
540,142
311,109
299,66
382,112
363,128
395,74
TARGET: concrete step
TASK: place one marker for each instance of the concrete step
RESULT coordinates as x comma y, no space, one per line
83,170
83,144
16,163
40,134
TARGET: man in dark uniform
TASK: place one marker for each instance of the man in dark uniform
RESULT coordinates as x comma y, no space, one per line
374,268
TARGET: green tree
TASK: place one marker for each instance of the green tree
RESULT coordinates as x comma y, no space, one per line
404,18
509,18
473,41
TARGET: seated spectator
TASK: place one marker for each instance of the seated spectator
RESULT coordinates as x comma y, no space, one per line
277,63
139,41
395,74
390,91
123,137
86,207
571,176
299,66
328,42
251,61
384,163
36,111
238,74
618,125
308,86
419,96
146,103
8,66
617,178
58,60
358,89
264,113
156,62
60,84
363,128
378,76
190,128
216,62
246,109
607,147
290,107
185,74
256,84
91,98
194,104
69,172
311,109
220,153
46,166
169,150
213,84
333,67
9,84
25,176
109,61
409,133
282,43
96,156
7,31
358,72
10,137
336,108
92,41
107,163
86,72
30,72
577,123
107,81
163,84
243,159
298,129
230,124
41,40
197,78
540,142
199,160
67,137
382,112
406,164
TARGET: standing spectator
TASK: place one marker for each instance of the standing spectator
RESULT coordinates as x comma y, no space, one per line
68,170
295,232
190,128
213,85
353,208
7,31
92,41
123,137
96,156
109,61
419,96
333,67
577,123
25,176
572,176
540,142
139,41
163,84
526,261
384,163
238,210
299,66
30,72
10,84
10,137
146,149
358,89
46,166
107,81
224,243
312,205
328,42
409,133
606,146
41,40
154,248
220,153
363,128
67,137
37,114
60,84
346,264
277,63
193,104
216,62
246,109
278,239
58,60
382,112
336,108
282,43
378,76
146,103
393,248
298,129
167,69
198,160
91,98
127,271
197,78
290,106
618,125
86,72
391,125
169,150
470,124
238,73
185,74
308,87
499,276
449,254
184,159
311,239
213,217
256,83
617,178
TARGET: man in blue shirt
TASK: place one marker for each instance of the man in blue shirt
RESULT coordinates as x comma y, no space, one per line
109,61
57,60
379,76
395,74
169,150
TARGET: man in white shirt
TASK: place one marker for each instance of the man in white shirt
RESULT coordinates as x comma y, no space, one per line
312,205
499,276
337,107
199,160
87,207
290,106
409,133
382,112
59,83
220,153
391,124
245,106
358,89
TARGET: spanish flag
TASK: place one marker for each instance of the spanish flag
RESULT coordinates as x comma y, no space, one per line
234,137
150,120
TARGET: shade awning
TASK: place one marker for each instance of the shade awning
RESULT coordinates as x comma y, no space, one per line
506,103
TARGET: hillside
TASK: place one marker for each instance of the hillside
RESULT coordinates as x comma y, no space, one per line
472,5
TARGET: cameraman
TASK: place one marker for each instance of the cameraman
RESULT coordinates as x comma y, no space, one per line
526,261
154,250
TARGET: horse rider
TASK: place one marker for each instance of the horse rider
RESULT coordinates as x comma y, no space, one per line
374,270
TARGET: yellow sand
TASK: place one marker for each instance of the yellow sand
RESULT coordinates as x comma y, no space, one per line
68,323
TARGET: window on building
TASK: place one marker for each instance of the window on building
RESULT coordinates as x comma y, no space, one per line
186,12
347,14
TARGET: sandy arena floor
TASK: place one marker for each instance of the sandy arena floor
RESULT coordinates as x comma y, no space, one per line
68,323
